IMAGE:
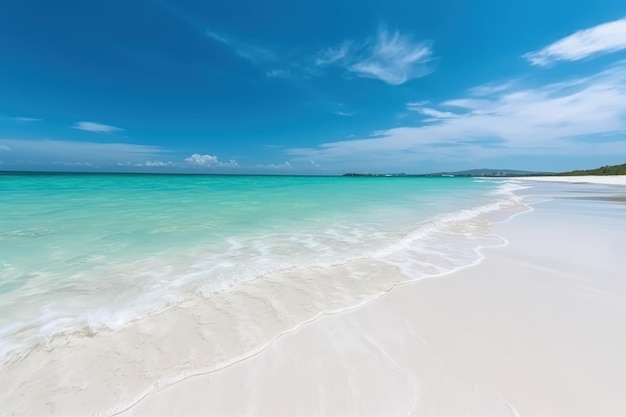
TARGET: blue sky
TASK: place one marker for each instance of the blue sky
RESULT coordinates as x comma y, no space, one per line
311,87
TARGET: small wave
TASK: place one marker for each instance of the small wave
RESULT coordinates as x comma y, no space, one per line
26,234
104,299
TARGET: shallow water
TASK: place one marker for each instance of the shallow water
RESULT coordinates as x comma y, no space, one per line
99,251
94,266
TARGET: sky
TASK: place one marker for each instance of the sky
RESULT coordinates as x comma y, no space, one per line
311,87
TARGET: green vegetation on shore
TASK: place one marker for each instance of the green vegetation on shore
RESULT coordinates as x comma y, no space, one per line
483,172
605,170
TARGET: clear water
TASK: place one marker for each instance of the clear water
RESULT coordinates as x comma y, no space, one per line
97,252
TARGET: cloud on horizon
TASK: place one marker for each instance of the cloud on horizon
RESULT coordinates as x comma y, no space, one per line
209,161
391,57
574,117
73,152
95,127
284,165
604,38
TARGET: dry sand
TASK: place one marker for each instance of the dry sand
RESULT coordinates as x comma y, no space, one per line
591,179
537,329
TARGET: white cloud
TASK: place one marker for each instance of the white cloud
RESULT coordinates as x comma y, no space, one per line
202,159
209,161
245,50
433,114
344,113
148,164
553,119
284,165
604,38
492,88
158,164
418,103
279,73
27,119
71,152
393,58
96,127
335,55
5,148
74,164
293,71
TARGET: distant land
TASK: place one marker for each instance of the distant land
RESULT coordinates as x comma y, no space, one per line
487,172
605,170
483,172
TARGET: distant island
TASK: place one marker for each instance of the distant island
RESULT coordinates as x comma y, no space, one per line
487,172
484,172
605,170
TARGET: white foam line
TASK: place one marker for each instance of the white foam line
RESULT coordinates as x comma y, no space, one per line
160,385
511,407
421,339
392,364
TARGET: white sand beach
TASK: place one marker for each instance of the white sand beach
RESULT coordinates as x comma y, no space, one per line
537,329
590,179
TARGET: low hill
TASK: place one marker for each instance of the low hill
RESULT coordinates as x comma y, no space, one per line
487,172
605,170
483,172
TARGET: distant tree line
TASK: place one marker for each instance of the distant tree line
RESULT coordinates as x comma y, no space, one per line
605,170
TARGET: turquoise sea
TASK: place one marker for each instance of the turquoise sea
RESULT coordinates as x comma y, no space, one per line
85,254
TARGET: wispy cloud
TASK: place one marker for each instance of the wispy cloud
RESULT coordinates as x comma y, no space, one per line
5,148
492,88
579,116
604,38
345,113
391,57
245,50
75,164
46,151
27,119
148,164
337,54
209,161
433,114
284,165
95,127
285,73
158,164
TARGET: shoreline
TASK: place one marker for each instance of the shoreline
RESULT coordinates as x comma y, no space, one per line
587,179
489,359
106,372
331,334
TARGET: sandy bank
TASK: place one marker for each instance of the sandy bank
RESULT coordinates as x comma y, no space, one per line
591,179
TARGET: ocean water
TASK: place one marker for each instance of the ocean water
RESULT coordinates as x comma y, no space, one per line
100,256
